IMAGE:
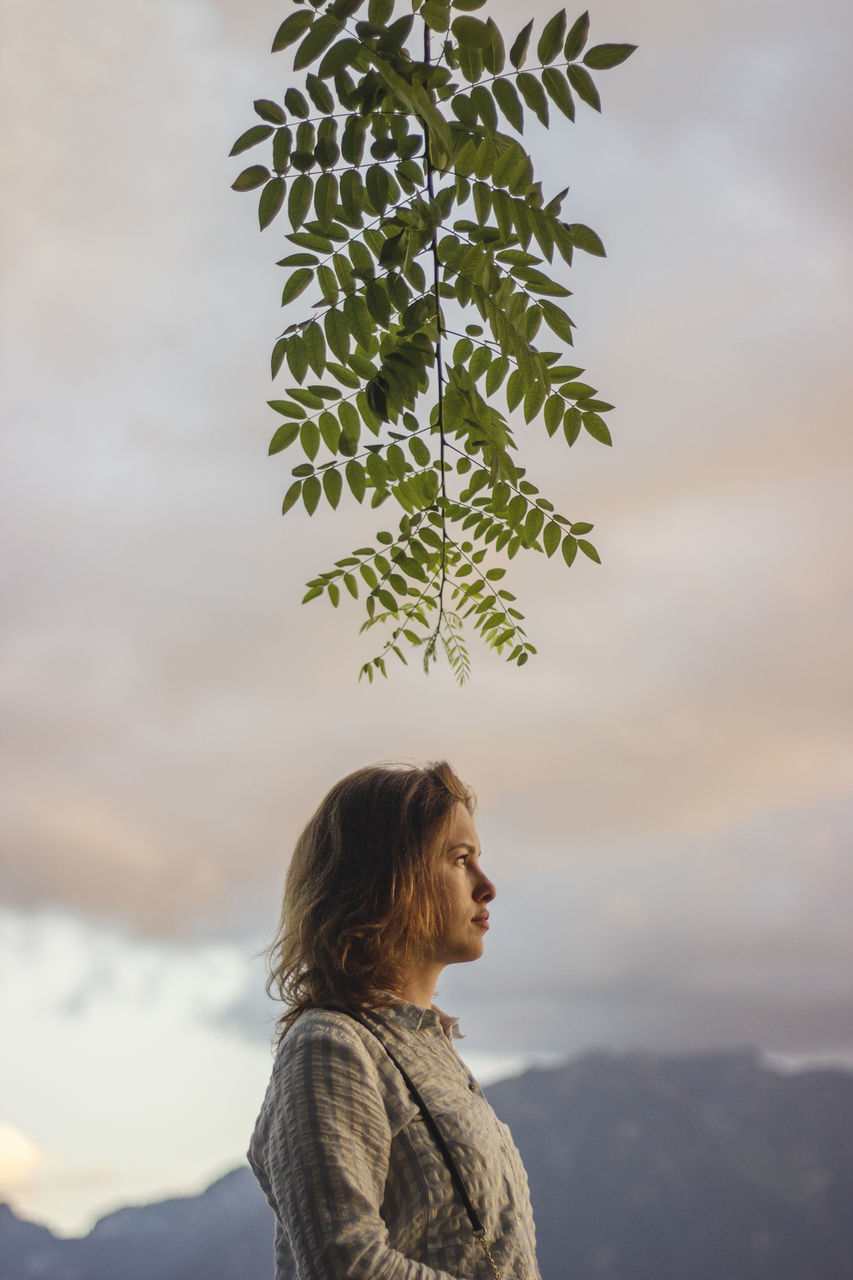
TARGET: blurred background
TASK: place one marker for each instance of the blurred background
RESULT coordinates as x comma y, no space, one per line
665,791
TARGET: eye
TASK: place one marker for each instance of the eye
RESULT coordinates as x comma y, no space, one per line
463,858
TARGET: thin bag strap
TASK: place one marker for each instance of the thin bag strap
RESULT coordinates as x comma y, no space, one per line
429,1119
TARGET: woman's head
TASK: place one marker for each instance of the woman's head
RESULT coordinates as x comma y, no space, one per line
362,899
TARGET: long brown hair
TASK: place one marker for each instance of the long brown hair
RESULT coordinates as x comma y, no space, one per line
360,898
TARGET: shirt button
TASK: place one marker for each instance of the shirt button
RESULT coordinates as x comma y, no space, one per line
472,1085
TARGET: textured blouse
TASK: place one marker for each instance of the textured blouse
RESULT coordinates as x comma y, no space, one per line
359,1189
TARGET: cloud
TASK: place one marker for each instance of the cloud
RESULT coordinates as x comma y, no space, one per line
173,715
737,939
20,1159
155,1098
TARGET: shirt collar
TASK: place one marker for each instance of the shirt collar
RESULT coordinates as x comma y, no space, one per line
417,1018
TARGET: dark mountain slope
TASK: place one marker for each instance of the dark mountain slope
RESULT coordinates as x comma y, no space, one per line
641,1167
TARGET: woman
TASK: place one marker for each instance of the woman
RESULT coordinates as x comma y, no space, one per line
384,889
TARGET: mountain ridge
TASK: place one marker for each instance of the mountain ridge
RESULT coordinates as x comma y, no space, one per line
642,1166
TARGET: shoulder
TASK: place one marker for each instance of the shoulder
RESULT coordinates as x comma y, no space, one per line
328,1035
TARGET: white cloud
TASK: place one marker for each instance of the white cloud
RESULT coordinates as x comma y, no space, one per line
113,1064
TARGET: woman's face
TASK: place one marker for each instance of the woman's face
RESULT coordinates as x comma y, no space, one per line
466,892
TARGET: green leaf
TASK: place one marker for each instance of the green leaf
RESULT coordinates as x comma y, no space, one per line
556,319
325,198
533,94
502,176
291,497
329,430
283,437
508,101
319,94
359,319
309,439
497,372
603,56
377,303
485,106
589,550
471,32
341,55
299,200
315,347
482,193
356,479
539,282
344,375
305,396
287,408
576,390
255,176
584,86
557,88
297,357
272,198
281,148
337,333
494,55
271,111
277,357
352,196
597,428
419,451
296,284
332,486
572,424
306,136
570,549
551,40
311,491
394,36
295,25
515,389
251,138
296,104
436,14
576,39
551,538
320,36
518,52
378,187
533,524
534,398
554,409
586,239
479,363
350,427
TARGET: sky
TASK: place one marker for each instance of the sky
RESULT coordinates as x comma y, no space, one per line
665,798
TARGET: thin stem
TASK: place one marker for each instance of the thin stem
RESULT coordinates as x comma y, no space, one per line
438,362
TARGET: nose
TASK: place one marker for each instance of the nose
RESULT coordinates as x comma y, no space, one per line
484,890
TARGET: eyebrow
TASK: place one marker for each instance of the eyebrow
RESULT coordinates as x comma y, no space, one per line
463,844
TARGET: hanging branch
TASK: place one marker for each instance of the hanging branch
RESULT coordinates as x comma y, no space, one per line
407,169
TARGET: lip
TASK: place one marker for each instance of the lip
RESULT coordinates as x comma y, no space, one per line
482,921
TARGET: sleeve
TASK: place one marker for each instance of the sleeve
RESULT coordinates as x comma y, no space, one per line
326,1159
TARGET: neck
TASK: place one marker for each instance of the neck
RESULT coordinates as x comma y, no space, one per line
418,986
